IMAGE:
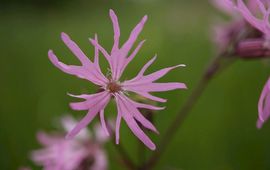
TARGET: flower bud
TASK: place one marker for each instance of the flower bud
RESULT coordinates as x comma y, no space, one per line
253,49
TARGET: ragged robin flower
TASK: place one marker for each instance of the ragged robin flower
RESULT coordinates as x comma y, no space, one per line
239,37
257,16
84,152
111,86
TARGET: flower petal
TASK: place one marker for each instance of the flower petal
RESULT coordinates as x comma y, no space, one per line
156,87
144,84
101,135
103,123
138,132
133,36
150,77
74,70
146,106
133,125
130,107
90,101
96,60
118,59
134,53
81,56
122,63
118,123
100,105
100,162
261,5
46,139
150,96
116,30
42,156
68,123
100,48
75,49
145,67
246,13
79,71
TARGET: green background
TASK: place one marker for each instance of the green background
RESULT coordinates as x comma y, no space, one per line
220,132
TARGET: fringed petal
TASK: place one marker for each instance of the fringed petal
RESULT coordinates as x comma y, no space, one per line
246,13
116,30
103,123
156,87
150,96
100,105
151,77
131,108
133,36
90,101
132,124
75,50
83,72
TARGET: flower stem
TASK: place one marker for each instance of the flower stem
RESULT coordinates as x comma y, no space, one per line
215,66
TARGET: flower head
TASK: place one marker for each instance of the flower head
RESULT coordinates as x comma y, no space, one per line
83,152
112,87
250,15
247,36
223,33
259,45
264,105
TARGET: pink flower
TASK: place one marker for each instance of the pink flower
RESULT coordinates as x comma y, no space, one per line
262,24
246,35
264,105
83,152
224,33
258,46
228,7
112,87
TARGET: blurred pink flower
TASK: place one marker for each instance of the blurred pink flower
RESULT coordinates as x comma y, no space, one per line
258,46
118,59
250,15
80,153
264,105
226,33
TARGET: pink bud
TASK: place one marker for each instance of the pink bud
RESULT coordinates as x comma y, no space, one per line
253,49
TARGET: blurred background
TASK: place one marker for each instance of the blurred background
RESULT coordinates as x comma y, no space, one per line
219,134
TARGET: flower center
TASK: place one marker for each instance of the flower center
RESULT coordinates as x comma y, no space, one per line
113,87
